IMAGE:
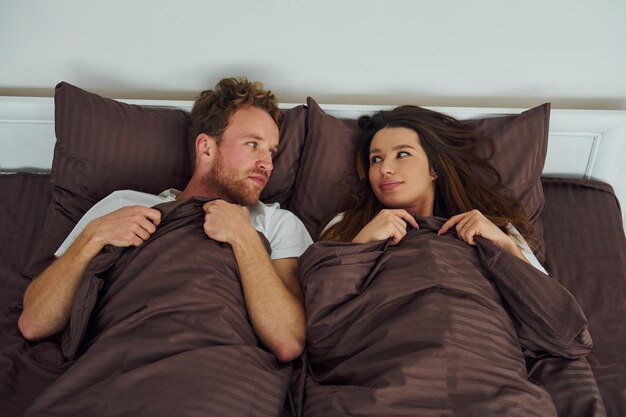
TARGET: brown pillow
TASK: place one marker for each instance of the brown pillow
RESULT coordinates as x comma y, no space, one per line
521,143
104,145
287,160
327,171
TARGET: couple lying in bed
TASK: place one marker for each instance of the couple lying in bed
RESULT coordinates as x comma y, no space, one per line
158,321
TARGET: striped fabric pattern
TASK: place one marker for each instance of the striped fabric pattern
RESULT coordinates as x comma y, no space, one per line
168,333
23,202
103,146
586,252
431,327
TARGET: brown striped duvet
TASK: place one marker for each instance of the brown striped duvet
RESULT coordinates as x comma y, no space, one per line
162,330
435,327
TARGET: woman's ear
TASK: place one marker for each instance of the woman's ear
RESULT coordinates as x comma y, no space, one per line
433,174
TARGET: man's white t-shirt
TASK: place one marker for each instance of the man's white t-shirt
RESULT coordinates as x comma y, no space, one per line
286,234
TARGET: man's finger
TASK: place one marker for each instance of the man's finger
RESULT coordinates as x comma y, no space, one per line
206,206
147,225
141,233
153,215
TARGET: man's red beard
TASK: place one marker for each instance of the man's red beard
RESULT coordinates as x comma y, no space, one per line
233,185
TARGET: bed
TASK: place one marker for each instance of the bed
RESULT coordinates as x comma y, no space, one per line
86,146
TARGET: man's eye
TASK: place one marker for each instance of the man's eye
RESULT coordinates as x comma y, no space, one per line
375,159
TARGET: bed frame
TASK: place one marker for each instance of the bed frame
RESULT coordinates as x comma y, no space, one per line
589,144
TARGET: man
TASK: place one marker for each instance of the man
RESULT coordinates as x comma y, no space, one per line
233,137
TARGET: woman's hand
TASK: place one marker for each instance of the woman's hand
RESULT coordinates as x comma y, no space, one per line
473,223
388,223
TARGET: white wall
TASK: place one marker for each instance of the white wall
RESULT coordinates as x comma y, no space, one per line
481,53
439,53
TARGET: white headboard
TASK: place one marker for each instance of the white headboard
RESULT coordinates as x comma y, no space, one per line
582,143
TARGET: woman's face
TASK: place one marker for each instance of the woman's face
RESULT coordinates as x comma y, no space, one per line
400,173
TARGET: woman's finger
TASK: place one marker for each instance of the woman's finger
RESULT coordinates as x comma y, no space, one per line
398,222
406,216
452,221
471,231
397,235
463,226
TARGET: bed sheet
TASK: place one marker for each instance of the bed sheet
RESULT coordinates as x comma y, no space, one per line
585,251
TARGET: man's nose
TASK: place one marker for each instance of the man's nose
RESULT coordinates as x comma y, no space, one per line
265,162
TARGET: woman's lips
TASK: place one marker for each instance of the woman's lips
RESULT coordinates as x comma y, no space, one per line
390,185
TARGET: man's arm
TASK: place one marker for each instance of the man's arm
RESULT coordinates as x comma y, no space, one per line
48,299
271,289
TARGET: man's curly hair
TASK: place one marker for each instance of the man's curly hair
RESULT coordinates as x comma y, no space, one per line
213,108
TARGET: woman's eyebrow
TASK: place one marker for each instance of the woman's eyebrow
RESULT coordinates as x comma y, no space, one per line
403,146
395,148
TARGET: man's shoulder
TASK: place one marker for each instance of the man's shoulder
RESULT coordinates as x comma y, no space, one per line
134,197
268,206
270,210
122,198
264,208
285,231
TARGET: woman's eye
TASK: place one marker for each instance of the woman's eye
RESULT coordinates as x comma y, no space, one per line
375,159
253,145
402,154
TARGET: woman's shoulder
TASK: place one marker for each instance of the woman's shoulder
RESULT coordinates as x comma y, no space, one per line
333,221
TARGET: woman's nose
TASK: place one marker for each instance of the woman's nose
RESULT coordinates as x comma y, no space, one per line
386,168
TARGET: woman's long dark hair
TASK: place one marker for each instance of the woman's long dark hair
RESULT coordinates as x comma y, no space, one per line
465,178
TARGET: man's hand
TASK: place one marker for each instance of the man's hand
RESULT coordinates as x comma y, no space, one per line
226,222
128,226
48,299
388,223
271,288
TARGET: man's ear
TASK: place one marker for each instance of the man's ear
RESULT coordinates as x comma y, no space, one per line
205,147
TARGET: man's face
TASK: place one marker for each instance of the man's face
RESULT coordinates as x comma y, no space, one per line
243,161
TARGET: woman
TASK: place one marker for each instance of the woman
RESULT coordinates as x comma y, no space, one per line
418,162
429,326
